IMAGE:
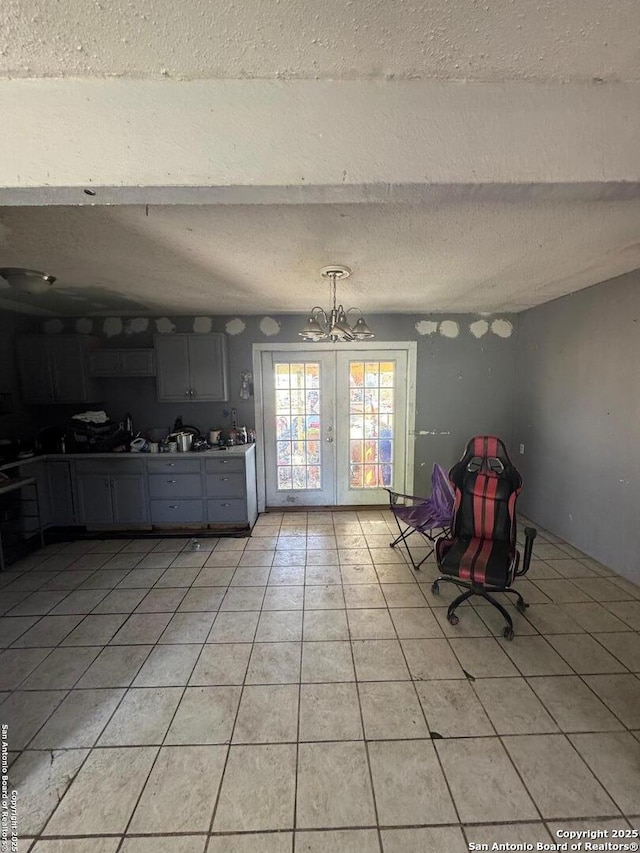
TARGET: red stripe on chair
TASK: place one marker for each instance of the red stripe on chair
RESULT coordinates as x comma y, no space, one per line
490,507
478,445
466,561
492,446
479,568
479,491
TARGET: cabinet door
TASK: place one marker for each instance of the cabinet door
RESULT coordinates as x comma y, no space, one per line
61,495
137,362
208,367
105,362
129,500
172,367
94,497
69,370
35,373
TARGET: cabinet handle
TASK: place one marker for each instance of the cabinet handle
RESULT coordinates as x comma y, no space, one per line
171,464
170,481
173,506
225,504
223,461
187,393
224,479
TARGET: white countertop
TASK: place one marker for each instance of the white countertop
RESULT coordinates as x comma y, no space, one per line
236,450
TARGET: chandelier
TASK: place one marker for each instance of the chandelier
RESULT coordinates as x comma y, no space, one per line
335,325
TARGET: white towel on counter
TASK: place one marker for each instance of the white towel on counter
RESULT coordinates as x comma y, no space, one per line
91,417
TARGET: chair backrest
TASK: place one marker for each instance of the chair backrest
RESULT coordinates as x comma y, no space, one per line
442,494
486,486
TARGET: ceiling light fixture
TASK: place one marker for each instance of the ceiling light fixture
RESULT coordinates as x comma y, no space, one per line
335,324
27,281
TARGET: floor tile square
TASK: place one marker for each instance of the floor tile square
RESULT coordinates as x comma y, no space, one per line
120,601
594,617
283,598
434,839
250,576
236,626
168,666
80,601
625,647
325,625
177,577
585,655
370,624
95,630
600,589
143,628
513,707
627,611
615,761
189,775
334,788
452,709
338,841
24,713
534,656
467,760
523,833
201,599
279,625
483,657
214,576
320,575
115,666
258,789
79,720
42,778
140,578
101,798
403,595
573,705
268,714
161,601
428,659
415,623
327,661
558,779
205,715
143,717
358,573
408,784
61,669
16,664
329,712
188,628
329,597
363,596
287,575
379,660
274,663
561,591
621,693
391,710
243,598
220,664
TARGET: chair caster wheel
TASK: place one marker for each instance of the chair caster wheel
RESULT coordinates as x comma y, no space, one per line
521,606
452,619
508,633
435,588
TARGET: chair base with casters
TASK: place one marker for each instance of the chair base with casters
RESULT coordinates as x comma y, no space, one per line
469,588
423,516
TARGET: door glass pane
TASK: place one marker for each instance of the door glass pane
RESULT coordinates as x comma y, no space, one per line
371,415
298,426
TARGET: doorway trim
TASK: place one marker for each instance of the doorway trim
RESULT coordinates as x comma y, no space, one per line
411,348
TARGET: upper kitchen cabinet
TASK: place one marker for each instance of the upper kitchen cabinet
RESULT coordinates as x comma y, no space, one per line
53,369
192,368
121,362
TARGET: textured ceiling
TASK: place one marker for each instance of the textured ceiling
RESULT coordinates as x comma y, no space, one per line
457,256
336,39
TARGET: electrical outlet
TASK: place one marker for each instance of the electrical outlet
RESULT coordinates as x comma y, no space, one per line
522,449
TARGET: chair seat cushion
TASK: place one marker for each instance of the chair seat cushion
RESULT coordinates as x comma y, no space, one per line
482,561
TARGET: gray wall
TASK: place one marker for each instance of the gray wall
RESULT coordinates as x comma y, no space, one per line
464,383
577,410
16,421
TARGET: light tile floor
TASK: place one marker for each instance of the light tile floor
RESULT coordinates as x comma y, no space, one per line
301,690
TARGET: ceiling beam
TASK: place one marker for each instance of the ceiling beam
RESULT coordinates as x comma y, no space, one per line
310,141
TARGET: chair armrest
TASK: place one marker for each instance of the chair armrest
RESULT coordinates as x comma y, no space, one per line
393,497
530,534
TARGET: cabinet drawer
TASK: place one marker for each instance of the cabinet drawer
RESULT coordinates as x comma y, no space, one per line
175,466
221,511
179,511
226,485
226,463
113,467
179,485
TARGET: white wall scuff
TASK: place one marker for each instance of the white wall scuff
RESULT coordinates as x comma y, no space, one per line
165,326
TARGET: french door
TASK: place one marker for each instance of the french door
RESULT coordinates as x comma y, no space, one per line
334,425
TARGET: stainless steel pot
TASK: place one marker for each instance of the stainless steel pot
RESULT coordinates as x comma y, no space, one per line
185,440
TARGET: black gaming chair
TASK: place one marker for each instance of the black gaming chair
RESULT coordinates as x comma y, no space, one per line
480,557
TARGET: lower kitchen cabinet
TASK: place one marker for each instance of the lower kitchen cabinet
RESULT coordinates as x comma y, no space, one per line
107,496
60,488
